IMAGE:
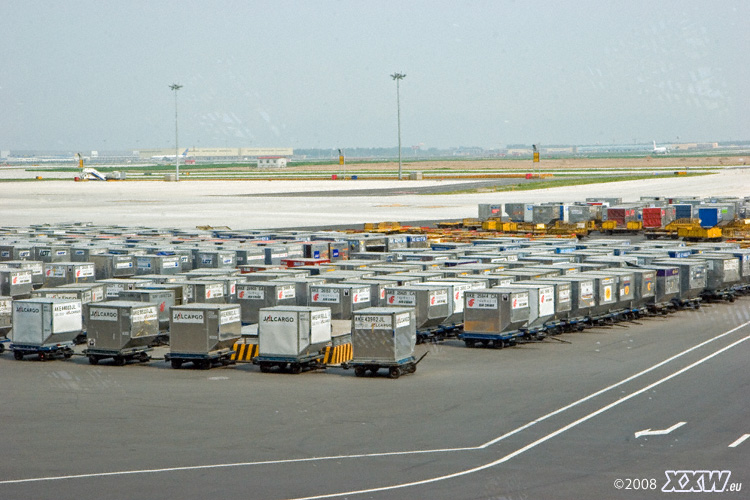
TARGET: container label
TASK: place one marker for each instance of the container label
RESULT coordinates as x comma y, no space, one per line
482,302
227,261
85,272
60,295
214,291
187,316
68,309
21,278
114,289
587,291
170,264
608,292
229,316
401,298
279,318
124,265
520,301
251,294
6,307
564,295
102,314
55,272
439,298
374,322
287,292
144,263
144,315
5,254
361,296
326,296
320,318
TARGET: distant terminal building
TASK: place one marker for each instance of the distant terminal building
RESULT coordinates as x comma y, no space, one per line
216,154
272,161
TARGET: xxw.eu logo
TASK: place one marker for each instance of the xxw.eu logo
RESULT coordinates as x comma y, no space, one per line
686,481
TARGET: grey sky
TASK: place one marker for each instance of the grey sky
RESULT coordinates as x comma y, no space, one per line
84,75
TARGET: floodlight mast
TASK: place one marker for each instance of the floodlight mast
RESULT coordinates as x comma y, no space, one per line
175,87
398,77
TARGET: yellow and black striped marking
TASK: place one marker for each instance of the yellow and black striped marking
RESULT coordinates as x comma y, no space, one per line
244,352
335,355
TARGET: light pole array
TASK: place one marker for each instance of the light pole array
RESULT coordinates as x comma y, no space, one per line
398,77
176,87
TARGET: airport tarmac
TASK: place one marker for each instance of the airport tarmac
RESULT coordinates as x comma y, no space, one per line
263,204
537,421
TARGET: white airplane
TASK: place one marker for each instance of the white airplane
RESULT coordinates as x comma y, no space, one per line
170,157
661,150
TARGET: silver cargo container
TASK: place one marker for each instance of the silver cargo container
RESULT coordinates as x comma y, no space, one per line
342,299
61,273
52,253
293,331
495,311
624,285
205,292
302,287
229,283
108,266
256,295
563,299
692,276
431,303
722,271
583,299
163,299
157,264
179,289
221,259
118,325
383,335
377,290
667,283
36,267
487,210
199,329
643,285
456,291
41,322
541,303
605,292
113,286
6,315
16,282
16,251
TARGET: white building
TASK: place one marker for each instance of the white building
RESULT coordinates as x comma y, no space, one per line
271,162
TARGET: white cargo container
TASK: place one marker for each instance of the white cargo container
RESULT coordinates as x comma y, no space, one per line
45,326
293,336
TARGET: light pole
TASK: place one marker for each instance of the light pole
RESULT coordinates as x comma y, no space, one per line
398,77
176,87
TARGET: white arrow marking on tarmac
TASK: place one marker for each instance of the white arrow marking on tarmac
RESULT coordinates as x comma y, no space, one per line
649,432
739,441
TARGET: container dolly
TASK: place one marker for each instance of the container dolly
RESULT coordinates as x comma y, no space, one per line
295,363
496,340
45,352
395,368
202,361
120,356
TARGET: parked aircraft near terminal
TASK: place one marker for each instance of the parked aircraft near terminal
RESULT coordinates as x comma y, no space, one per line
170,157
661,150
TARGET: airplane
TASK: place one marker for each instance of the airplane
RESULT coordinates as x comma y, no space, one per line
170,157
661,150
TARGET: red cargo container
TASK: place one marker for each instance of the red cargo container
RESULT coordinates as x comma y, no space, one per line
303,261
655,217
622,215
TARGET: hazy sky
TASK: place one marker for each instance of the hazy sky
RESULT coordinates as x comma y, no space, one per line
82,75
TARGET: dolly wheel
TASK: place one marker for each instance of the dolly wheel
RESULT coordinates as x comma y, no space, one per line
394,372
359,371
93,360
265,368
2,348
42,357
176,363
296,368
18,355
119,361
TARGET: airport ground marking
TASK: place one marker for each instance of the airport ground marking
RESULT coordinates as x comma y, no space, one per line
739,441
661,432
430,451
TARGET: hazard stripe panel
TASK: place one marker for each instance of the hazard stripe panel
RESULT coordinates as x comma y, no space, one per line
338,354
244,352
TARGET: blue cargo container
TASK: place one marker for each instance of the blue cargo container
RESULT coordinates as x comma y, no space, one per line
709,216
683,211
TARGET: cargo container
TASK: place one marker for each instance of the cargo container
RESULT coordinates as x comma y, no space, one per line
16,252
36,267
487,210
293,336
657,217
494,317
16,283
722,274
61,273
256,295
709,216
583,299
52,253
620,214
121,330
158,264
667,286
6,319
417,241
342,299
605,294
563,303
338,251
692,279
180,290
302,287
205,292
163,299
203,334
431,304
45,327
315,250
108,266
456,292
541,305
384,337
683,211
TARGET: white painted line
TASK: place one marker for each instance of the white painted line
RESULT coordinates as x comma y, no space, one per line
649,432
535,443
739,441
394,453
